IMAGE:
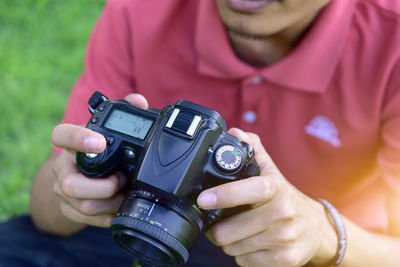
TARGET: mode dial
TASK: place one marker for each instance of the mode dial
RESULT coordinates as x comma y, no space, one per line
227,158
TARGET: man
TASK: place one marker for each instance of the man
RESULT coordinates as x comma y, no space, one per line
316,80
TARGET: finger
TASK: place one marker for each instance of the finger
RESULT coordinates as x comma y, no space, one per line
235,228
244,225
263,159
77,138
98,220
252,222
274,238
75,185
64,163
252,190
137,100
92,207
248,245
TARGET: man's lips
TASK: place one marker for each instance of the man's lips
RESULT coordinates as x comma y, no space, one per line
249,6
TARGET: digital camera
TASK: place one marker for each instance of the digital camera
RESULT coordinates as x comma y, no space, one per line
169,157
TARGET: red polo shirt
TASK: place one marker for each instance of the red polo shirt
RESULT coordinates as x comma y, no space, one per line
328,113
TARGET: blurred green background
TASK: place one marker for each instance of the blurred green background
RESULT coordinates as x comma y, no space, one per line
42,46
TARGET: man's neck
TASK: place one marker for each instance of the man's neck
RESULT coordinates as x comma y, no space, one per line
265,51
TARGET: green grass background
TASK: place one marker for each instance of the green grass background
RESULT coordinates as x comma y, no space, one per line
42,46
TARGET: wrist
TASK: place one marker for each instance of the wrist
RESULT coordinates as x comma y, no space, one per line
329,240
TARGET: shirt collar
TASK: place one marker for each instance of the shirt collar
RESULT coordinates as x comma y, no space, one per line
309,67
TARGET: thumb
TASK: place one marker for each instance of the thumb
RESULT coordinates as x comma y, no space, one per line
137,100
252,190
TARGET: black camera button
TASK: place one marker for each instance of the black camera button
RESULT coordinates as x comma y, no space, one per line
94,120
131,169
110,140
129,153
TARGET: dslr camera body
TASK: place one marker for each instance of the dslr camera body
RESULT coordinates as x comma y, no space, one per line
169,157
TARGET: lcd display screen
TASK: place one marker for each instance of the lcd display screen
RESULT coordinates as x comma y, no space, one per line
127,123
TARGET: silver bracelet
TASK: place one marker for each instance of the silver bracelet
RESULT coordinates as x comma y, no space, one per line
340,231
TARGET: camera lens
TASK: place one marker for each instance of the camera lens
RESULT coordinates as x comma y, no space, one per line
157,230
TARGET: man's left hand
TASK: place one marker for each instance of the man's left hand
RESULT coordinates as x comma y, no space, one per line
282,227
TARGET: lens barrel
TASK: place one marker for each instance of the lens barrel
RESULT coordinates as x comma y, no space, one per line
158,231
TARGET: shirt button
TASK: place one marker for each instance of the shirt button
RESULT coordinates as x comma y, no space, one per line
249,116
257,80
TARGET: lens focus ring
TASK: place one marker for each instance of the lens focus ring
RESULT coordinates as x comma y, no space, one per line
155,232
175,204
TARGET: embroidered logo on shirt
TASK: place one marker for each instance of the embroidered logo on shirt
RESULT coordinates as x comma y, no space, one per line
323,128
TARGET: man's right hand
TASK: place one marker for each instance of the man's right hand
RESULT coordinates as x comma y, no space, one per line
92,201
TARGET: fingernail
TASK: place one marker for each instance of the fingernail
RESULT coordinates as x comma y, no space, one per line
207,200
93,143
